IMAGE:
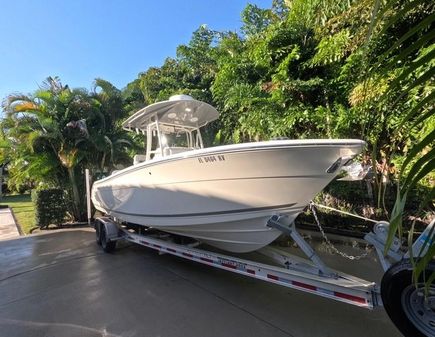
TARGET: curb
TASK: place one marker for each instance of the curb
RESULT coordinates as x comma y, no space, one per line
20,230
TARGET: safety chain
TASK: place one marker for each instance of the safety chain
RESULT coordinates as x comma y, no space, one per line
329,243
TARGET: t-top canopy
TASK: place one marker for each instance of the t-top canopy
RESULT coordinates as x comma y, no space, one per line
180,110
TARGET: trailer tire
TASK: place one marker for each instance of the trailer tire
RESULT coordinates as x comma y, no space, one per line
108,246
98,232
404,303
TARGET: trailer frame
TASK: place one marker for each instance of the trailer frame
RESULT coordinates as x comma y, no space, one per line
409,308
295,272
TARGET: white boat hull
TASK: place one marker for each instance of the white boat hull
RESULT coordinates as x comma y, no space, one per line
224,195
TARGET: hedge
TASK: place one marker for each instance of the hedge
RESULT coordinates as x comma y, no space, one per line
50,207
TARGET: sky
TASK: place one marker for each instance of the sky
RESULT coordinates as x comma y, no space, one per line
80,40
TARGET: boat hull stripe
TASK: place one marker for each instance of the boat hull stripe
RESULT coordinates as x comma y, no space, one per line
182,215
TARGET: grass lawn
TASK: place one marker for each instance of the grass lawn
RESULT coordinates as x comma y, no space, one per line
23,208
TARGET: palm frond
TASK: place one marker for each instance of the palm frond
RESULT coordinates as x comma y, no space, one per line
416,149
416,110
416,73
424,24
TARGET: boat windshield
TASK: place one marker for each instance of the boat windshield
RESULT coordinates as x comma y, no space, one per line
180,139
164,140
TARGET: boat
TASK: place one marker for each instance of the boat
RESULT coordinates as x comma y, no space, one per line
223,195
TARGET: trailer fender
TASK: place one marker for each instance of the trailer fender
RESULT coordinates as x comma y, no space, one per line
107,233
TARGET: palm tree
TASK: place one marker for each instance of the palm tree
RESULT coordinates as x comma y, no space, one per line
60,131
107,136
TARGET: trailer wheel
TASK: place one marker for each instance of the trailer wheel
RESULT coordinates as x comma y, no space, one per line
98,232
108,246
409,309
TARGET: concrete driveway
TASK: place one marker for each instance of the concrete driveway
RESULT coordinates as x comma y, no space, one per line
62,284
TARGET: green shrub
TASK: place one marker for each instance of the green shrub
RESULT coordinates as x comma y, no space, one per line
50,207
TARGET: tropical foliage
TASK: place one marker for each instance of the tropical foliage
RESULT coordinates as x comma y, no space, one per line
408,61
300,69
57,131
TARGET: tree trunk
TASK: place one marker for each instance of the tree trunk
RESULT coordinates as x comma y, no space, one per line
328,118
103,162
1,182
76,195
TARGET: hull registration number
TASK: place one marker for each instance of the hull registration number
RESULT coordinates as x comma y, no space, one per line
211,159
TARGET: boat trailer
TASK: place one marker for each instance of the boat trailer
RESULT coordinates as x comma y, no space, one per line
396,293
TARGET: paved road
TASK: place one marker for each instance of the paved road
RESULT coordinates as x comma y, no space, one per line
61,284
